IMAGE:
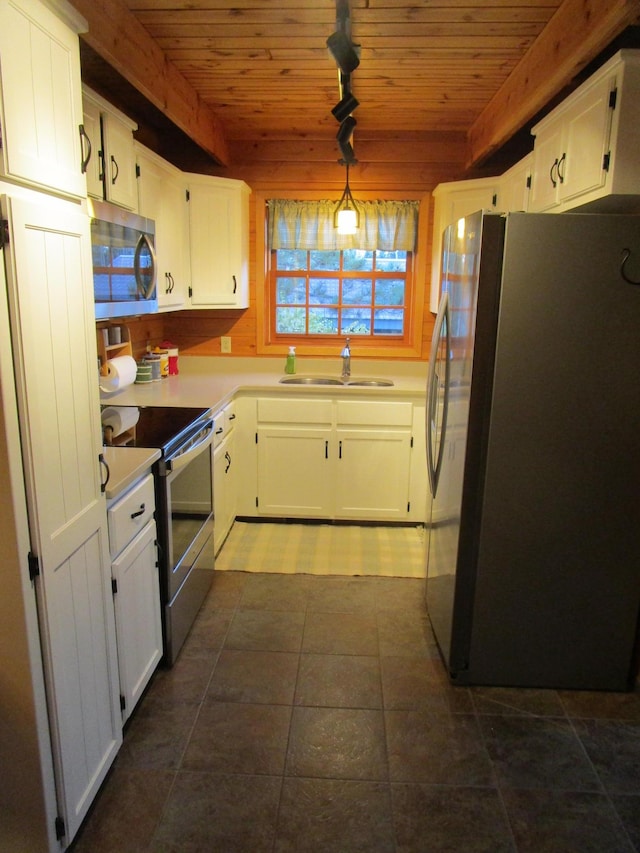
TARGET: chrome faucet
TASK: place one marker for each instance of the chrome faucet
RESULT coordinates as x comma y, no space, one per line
346,360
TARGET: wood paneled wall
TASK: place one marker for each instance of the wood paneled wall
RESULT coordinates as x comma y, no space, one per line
408,167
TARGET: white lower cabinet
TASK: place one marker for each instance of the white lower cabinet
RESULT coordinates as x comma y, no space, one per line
342,459
136,589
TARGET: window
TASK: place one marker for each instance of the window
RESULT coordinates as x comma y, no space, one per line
341,292
320,286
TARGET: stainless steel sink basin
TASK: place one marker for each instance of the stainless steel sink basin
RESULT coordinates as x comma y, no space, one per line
335,380
311,380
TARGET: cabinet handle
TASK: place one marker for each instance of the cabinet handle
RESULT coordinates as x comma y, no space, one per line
326,450
554,166
232,417
84,161
228,458
235,284
561,161
170,282
339,450
139,512
103,462
220,430
114,164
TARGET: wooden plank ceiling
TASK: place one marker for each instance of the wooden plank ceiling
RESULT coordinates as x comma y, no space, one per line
263,70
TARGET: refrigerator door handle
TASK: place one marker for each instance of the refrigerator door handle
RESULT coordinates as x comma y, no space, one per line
434,462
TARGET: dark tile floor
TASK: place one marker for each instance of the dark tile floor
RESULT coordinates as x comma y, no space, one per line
311,713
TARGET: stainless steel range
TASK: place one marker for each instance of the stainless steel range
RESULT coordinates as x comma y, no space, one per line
184,511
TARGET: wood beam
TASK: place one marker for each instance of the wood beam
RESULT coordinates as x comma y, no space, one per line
116,35
578,31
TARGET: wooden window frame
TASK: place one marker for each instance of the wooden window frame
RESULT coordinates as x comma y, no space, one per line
407,346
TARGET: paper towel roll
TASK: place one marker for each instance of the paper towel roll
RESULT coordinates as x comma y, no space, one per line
120,418
121,371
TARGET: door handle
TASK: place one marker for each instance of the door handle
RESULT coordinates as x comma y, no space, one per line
84,161
139,512
103,462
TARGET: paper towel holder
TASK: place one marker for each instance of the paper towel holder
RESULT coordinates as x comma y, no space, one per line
106,350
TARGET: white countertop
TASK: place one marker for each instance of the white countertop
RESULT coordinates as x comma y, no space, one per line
209,381
126,465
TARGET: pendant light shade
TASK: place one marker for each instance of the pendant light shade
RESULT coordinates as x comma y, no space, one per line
346,218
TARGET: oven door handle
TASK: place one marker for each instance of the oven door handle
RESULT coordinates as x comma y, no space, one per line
175,463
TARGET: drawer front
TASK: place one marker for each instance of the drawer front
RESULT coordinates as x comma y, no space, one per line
229,417
129,514
295,411
364,413
218,428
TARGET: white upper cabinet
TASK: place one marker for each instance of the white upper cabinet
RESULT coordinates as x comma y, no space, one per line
219,242
586,149
41,102
162,197
453,201
111,166
515,187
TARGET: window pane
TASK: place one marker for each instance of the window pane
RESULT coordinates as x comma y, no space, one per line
323,321
356,321
290,320
391,261
291,290
357,291
324,260
390,292
388,321
357,259
323,291
291,259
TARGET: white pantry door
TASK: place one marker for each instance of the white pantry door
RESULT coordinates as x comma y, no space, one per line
53,329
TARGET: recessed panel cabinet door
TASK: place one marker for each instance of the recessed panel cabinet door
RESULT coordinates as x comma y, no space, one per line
41,99
50,296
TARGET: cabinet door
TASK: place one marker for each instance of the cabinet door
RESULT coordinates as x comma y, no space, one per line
218,239
546,156
119,162
294,472
587,126
162,197
451,205
137,608
224,489
515,187
51,305
41,100
372,474
94,167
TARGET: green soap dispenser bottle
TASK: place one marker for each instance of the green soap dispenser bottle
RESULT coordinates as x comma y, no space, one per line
290,366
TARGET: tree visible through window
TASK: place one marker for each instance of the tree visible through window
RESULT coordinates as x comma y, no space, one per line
340,292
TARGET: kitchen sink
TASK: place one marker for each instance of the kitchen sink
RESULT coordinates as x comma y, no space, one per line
372,383
311,380
335,380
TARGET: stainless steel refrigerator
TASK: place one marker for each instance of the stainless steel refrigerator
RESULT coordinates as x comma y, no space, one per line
533,447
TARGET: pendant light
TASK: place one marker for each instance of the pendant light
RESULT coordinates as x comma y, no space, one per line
347,216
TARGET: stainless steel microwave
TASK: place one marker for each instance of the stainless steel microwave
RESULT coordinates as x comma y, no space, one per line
124,262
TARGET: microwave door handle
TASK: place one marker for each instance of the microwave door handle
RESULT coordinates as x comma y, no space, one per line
178,462
145,242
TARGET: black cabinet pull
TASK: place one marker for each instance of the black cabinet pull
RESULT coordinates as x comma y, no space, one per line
117,169
339,450
228,458
326,450
103,462
84,161
561,161
235,284
139,512
551,170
